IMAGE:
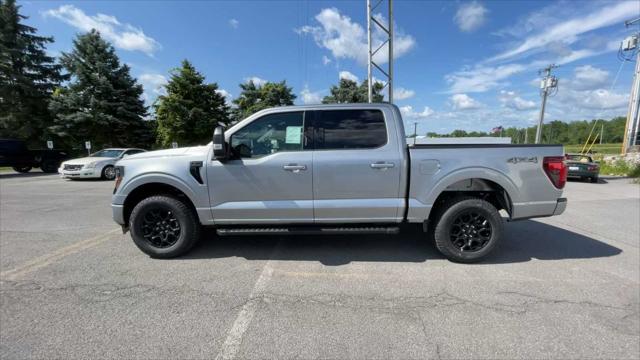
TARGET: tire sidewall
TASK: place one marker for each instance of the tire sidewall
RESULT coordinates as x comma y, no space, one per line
187,230
443,230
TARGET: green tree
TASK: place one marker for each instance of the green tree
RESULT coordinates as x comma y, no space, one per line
102,103
27,78
191,109
254,98
348,91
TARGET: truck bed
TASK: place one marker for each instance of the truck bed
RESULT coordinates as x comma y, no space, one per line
515,168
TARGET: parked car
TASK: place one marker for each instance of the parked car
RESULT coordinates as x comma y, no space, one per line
583,167
97,165
334,169
15,154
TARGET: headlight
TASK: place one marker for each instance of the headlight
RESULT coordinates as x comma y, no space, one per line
91,165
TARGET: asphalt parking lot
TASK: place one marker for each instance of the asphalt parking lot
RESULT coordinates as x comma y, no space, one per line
72,286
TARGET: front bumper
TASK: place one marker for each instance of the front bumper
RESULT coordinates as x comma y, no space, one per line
79,174
117,212
561,205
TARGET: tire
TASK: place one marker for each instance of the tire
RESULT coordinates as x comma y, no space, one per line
164,212
49,167
22,169
108,173
478,225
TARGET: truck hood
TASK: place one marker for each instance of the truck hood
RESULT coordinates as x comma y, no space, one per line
88,159
168,153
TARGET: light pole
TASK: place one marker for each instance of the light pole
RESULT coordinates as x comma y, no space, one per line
548,82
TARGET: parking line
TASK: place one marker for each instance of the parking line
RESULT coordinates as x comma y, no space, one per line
45,260
241,324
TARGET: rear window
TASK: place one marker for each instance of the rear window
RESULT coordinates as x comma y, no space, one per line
350,129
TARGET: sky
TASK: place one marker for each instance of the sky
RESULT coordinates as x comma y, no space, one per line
470,65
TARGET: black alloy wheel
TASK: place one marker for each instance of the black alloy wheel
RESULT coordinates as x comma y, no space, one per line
160,227
470,231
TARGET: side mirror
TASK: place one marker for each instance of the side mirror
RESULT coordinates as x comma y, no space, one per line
219,145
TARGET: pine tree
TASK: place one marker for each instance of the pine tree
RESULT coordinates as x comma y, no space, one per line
190,110
348,91
254,98
102,103
27,78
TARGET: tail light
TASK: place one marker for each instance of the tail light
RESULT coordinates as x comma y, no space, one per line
592,167
556,170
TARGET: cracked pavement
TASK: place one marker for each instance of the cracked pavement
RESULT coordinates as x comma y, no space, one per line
559,287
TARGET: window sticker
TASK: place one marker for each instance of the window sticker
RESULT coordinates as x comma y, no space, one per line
294,135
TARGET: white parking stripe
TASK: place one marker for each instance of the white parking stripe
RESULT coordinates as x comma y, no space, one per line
45,260
234,337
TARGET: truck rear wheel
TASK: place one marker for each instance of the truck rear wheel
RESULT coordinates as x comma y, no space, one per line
467,229
164,227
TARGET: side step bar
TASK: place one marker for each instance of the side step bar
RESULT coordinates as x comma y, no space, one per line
308,230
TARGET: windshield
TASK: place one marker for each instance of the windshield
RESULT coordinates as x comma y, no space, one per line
580,158
108,153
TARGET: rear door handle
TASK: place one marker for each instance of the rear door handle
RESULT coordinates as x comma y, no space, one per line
294,167
382,165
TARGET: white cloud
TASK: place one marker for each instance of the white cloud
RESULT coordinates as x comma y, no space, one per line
401,93
470,16
481,78
464,102
347,39
234,23
153,86
123,36
348,76
309,97
409,113
569,31
224,93
325,60
256,80
588,77
511,100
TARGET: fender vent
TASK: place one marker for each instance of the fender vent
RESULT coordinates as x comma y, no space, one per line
194,169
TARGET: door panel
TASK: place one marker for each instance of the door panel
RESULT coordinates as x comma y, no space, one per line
269,179
360,181
257,191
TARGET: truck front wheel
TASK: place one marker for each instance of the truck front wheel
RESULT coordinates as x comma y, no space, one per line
467,229
164,227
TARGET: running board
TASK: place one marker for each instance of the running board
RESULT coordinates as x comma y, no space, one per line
309,231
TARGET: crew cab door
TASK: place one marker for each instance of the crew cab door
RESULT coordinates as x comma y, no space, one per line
269,177
356,167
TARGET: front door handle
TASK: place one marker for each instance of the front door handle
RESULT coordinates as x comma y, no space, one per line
294,167
382,165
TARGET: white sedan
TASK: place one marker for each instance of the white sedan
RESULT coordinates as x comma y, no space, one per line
97,165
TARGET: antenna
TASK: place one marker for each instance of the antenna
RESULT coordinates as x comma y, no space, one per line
388,30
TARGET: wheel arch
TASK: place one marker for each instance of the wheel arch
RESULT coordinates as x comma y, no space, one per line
148,189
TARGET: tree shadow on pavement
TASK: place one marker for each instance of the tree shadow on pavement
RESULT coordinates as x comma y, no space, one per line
523,241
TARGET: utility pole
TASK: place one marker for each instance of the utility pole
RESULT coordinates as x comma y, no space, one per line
526,135
415,132
601,132
388,30
630,44
548,82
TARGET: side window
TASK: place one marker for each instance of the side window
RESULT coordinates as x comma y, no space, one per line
350,129
269,134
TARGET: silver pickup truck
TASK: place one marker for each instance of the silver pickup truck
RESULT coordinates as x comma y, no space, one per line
334,169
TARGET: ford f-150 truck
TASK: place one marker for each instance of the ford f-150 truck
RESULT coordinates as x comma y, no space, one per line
334,169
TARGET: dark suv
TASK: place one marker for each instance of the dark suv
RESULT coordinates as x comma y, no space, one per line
15,154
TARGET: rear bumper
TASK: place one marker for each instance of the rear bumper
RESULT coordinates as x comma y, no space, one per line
575,173
561,205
